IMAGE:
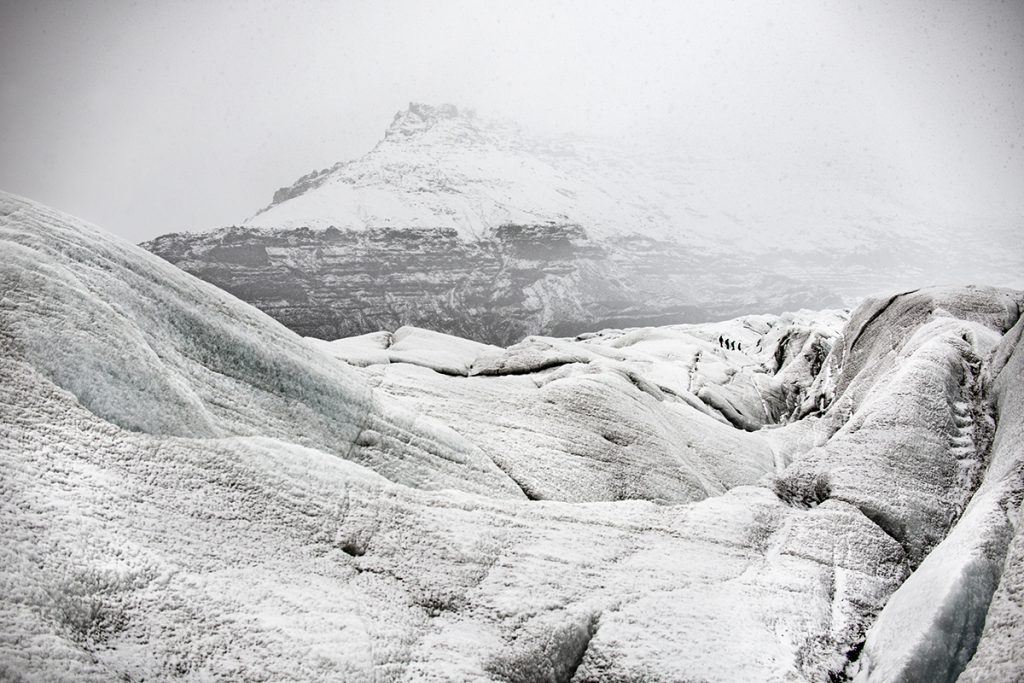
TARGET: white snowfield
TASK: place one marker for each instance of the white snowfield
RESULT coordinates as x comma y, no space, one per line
439,166
192,492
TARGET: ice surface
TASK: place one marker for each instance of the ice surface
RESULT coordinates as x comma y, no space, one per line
366,349
619,414
951,605
151,349
192,492
439,352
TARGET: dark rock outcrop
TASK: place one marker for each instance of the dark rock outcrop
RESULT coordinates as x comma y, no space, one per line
518,280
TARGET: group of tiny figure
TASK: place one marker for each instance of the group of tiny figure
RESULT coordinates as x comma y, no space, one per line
729,344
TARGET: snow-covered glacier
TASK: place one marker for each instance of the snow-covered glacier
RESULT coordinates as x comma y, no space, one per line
192,491
481,229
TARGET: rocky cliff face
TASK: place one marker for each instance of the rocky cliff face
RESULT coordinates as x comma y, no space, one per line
515,281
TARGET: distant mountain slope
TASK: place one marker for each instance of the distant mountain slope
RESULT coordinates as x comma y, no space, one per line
441,167
478,228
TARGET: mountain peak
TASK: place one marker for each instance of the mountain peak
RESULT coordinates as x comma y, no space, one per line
419,117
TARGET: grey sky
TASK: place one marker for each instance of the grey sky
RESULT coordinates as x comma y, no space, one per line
151,117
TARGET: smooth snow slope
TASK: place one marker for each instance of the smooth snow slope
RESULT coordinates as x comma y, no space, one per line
439,166
150,349
191,492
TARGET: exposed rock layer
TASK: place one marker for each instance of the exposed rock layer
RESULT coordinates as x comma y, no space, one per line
516,281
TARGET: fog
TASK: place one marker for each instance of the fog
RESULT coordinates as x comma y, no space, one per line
148,117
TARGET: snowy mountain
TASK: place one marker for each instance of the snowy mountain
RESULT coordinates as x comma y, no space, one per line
441,167
478,228
192,491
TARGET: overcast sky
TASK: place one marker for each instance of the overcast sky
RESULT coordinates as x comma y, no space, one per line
152,117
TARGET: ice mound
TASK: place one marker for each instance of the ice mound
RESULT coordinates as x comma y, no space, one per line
619,414
962,607
150,349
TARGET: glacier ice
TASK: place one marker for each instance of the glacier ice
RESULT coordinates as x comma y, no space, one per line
191,491
962,608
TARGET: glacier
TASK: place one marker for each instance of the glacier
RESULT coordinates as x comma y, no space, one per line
193,491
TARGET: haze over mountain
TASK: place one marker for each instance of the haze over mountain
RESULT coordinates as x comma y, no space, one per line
151,118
